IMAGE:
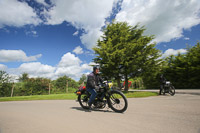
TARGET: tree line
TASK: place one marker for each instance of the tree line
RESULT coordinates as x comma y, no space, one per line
183,70
36,86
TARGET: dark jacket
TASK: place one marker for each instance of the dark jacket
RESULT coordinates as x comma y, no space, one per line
93,80
162,79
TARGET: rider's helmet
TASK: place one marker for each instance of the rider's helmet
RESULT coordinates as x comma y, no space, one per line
95,67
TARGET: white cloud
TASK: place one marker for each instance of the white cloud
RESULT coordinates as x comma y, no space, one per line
165,19
169,52
69,60
78,50
31,33
42,2
71,66
15,13
186,38
16,55
87,15
90,38
86,67
36,69
3,67
75,33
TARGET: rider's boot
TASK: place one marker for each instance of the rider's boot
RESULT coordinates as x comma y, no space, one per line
89,105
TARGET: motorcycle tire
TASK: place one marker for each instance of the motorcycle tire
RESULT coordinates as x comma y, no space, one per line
83,100
162,92
117,98
172,90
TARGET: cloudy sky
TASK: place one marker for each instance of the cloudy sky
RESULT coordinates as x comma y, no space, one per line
52,38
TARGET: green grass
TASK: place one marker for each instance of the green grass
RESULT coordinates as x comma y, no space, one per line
69,96
140,94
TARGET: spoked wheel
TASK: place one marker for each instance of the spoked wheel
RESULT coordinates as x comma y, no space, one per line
117,101
172,90
83,100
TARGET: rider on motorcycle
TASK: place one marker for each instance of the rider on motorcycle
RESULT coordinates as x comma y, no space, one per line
93,80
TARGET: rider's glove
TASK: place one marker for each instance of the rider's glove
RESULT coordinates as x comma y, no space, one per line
97,88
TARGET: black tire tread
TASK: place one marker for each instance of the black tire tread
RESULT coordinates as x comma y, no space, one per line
114,109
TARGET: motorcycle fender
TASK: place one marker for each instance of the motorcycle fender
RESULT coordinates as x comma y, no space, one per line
110,92
78,92
115,91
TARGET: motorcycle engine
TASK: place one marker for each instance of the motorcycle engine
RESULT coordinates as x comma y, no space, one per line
100,104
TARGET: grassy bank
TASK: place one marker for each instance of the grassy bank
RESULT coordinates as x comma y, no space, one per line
140,94
69,96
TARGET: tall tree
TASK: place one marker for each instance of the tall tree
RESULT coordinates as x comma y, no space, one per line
4,77
61,83
124,50
193,59
82,79
184,69
5,85
24,77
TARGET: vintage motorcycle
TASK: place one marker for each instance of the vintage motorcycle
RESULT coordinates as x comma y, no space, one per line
115,99
168,88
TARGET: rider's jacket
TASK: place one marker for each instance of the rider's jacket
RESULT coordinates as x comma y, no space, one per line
162,79
93,80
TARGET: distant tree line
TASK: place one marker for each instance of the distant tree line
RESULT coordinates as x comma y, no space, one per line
36,86
183,70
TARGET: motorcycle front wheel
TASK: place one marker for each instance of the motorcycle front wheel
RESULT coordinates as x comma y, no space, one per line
117,101
172,90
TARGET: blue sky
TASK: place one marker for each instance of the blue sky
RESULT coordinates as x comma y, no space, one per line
52,38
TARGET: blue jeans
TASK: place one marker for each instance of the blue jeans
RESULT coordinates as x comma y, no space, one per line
93,94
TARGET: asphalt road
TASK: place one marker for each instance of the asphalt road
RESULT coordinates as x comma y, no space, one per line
160,114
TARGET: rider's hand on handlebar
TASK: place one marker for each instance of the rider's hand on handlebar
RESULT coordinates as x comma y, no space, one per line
97,88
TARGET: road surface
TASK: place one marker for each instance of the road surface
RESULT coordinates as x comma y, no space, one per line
159,114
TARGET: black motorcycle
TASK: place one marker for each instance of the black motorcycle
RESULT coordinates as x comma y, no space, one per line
168,88
115,99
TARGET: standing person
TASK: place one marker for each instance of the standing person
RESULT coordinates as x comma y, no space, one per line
162,83
93,84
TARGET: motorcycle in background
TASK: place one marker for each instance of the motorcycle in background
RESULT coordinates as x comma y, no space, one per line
168,88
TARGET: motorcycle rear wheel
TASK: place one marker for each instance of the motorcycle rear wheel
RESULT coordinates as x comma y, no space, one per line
117,101
83,100
163,91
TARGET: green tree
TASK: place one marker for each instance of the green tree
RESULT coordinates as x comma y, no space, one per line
193,59
177,70
32,86
184,69
24,77
5,85
124,50
82,79
4,77
61,83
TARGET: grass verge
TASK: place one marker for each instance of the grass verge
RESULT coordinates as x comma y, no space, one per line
69,96
140,94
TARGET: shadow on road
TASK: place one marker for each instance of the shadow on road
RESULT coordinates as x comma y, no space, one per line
97,110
